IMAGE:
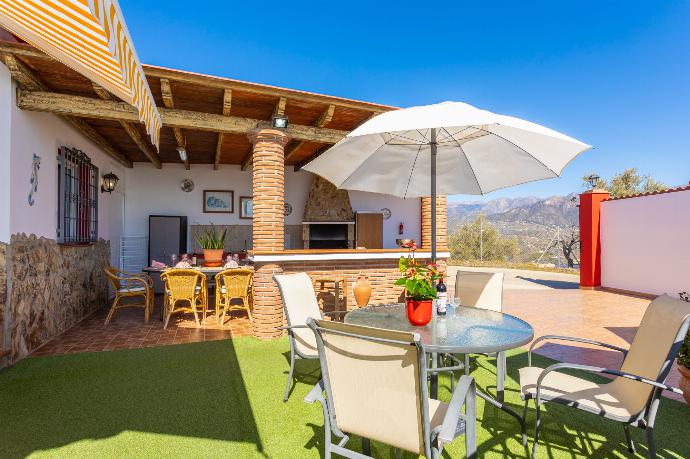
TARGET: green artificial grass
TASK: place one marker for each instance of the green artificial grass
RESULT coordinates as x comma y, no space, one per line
224,399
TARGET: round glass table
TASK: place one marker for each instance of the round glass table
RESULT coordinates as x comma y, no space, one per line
463,330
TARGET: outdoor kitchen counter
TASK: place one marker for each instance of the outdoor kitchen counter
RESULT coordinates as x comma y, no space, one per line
340,254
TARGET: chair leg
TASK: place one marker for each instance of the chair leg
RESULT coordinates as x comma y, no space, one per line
524,423
292,369
537,424
245,302
628,438
147,304
366,446
113,308
168,308
650,442
467,364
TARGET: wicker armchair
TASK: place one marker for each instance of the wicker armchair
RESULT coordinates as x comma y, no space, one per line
127,285
186,286
233,284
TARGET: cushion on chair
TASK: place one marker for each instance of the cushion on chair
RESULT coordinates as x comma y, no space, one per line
131,289
602,399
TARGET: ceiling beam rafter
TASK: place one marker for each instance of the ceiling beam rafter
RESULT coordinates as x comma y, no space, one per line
247,160
303,162
166,92
227,106
321,121
28,81
132,130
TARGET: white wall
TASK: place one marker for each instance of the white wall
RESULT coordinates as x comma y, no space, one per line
646,243
6,100
43,134
406,211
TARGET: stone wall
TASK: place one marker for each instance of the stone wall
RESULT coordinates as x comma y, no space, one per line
52,287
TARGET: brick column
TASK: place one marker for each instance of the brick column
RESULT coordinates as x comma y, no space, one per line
441,223
590,242
268,226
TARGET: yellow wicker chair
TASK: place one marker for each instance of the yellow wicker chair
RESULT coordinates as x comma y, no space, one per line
233,284
127,285
186,286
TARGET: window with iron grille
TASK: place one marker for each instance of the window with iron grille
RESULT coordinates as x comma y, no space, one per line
77,198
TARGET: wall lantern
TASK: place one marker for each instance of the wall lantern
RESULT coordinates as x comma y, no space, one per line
280,122
109,182
593,180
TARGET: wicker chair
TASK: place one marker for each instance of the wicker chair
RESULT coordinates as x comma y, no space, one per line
186,286
233,284
127,285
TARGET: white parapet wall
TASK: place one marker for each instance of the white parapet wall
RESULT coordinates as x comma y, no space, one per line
645,243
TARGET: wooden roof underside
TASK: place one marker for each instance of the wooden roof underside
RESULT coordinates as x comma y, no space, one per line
208,115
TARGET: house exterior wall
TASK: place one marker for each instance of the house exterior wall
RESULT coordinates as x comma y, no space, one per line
645,243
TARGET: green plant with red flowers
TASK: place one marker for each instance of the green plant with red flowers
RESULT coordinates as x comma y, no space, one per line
684,352
418,279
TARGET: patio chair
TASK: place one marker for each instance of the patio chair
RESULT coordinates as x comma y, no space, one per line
128,285
299,303
374,386
233,284
186,286
632,397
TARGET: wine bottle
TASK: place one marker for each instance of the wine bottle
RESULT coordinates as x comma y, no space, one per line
442,297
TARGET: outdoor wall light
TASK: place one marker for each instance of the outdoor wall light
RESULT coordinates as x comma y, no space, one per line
593,180
280,122
183,153
109,182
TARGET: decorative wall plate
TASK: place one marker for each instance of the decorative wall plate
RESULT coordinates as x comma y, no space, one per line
287,209
187,185
386,213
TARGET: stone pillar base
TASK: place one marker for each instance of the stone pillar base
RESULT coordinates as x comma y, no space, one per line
268,306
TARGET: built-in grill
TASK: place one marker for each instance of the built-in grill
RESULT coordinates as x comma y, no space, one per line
328,235
329,222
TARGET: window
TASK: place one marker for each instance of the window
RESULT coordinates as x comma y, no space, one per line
77,198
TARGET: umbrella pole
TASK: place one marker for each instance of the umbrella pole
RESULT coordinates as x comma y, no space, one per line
433,195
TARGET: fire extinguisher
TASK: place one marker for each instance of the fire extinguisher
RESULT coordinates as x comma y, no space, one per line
401,228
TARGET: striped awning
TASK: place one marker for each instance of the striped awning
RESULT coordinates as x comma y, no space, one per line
91,37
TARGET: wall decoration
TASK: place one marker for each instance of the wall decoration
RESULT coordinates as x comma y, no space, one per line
219,202
288,209
246,207
187,185
386,213
33,181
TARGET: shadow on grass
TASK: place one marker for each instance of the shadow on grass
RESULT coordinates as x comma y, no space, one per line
185,390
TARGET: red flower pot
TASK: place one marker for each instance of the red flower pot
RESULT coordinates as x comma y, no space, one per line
419,312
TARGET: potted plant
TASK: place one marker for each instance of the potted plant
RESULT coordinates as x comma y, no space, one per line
212,242
683,360
418,281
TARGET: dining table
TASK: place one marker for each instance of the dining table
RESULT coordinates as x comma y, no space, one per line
462,330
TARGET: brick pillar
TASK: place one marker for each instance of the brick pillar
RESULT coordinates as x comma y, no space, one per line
441,223
590,242
268,226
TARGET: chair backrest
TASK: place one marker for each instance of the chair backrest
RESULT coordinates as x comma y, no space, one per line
299,303
181,283
479,290
235,281
114,277
375,383
651,354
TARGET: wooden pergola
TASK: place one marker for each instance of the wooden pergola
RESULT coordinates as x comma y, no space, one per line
207,116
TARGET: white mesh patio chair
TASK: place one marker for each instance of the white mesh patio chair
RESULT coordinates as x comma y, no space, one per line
632,397
374,385
299,303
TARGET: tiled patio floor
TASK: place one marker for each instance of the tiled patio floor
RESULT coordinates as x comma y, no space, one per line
551,303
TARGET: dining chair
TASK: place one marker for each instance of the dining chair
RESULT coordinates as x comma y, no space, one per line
233,284
374,386
186,286
129,285
299,303
632,396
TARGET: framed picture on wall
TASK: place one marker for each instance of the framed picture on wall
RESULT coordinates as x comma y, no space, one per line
246,207
219,202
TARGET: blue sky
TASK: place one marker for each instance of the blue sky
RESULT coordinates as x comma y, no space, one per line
613,74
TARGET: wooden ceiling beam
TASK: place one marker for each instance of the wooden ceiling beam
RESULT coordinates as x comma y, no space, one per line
131,130
28,81
279,109
247,160
227,106
87,107
300,164
321,121
166,92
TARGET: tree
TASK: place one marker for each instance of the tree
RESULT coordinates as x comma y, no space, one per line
628,182
569,245
480,239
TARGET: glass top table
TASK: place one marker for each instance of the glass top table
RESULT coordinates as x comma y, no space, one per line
463,330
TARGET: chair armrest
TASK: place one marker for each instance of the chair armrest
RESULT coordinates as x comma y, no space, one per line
593,369
571,338
316,393
329,313
464,394
136,279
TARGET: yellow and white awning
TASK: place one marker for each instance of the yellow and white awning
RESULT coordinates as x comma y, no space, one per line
89,36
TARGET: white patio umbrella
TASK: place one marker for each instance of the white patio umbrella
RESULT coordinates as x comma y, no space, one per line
446,148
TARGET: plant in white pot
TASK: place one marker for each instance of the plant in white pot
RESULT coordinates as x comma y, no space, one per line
212,242
684,360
